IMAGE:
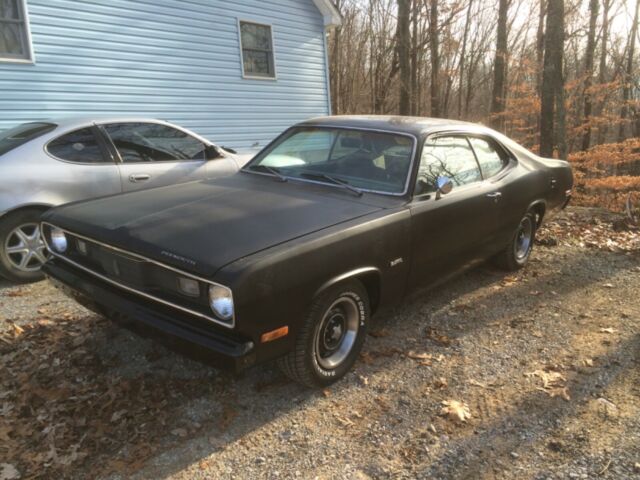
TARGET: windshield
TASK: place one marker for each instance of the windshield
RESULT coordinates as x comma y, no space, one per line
365,160
12,138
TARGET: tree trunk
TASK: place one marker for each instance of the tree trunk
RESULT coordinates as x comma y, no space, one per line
588,71
628,77
462,57
540,46
415,98
499,68
404,55
552,80
435,59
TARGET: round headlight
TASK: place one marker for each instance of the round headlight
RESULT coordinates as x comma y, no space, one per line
221,302
58,240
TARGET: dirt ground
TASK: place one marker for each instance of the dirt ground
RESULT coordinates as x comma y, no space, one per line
530,376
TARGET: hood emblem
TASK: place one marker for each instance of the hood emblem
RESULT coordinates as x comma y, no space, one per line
178,257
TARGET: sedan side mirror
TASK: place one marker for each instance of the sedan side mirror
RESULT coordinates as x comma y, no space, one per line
212,152
444,185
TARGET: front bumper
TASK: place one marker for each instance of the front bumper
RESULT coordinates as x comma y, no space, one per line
228,352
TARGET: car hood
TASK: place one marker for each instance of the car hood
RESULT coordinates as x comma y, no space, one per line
202,226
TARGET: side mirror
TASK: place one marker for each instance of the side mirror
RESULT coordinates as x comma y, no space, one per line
444,185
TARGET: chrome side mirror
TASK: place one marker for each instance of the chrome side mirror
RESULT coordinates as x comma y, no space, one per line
444,185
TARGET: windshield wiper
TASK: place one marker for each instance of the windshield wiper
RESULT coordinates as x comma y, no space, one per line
334,180
272,170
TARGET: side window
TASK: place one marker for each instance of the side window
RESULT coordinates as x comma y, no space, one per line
152,142
450,157
489,158
80,146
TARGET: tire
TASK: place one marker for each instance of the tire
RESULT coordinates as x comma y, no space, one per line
319,358
516,254
19,242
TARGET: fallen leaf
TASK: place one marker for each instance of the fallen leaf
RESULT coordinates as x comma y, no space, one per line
608,330
456,410
419,356
477,384
179,432
345,422
550,379
438,338
8,472
441,383
587,362
608,285
379,333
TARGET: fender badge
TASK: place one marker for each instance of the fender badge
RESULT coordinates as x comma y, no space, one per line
395,262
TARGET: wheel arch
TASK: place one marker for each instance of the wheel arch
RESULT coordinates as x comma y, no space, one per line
29,206
370,277
539,208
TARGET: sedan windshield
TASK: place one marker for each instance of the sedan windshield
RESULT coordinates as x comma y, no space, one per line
10,139
360,159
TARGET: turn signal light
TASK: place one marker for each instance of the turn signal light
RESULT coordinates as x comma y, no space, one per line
274,334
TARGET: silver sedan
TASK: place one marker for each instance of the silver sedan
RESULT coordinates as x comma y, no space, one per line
44,164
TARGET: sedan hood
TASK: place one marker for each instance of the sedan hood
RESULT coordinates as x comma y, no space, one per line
202,226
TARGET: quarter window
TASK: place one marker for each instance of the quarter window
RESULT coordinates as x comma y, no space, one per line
153,142
449,157
490,160
80,146
257,50
14,31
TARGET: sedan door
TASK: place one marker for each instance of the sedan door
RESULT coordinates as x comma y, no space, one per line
449,231
153,155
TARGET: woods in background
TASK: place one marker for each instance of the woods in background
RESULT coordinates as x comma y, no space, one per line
560,76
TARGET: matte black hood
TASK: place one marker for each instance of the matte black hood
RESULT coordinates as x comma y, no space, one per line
202,226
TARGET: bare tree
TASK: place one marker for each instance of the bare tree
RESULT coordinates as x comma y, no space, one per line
404,55
500,67
551,117
628,77
434,47
588,71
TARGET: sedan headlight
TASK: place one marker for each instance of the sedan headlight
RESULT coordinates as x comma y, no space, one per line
221,302
59,240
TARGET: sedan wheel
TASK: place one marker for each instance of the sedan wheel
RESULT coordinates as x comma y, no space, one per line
518,251
331,337
22,249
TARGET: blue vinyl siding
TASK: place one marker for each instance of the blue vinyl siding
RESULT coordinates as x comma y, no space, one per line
177,60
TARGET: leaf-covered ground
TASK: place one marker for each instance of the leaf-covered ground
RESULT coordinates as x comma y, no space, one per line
528,375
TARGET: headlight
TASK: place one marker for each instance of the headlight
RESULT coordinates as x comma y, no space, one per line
58,240
221,302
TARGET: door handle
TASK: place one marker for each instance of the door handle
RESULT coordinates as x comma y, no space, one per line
139,177
495,195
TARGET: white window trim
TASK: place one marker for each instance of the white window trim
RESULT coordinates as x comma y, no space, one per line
273,50
29,46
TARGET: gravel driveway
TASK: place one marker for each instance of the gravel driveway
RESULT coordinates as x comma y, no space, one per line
534,375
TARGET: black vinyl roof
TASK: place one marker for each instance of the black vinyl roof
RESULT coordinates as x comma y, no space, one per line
413,125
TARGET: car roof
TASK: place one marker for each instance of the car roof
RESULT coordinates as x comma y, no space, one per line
79,121
393,123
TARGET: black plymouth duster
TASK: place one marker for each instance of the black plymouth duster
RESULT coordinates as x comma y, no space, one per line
289,258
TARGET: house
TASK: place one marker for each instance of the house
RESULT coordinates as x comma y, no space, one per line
237,72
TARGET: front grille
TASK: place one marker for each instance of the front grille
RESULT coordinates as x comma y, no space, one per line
134,273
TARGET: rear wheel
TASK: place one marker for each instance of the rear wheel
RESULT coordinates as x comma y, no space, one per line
517,252
331,336
22,250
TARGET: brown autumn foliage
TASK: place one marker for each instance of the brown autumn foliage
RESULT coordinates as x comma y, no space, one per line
606,175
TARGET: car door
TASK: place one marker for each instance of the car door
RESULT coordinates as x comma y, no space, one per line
153,155
85,170
496,165
449,231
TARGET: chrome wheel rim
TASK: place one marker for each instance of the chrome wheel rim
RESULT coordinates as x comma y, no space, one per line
524,239
337,333
25,249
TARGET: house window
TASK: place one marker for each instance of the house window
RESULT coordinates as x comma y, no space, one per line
257,50
14,31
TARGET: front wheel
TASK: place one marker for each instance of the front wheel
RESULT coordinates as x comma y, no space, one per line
331,336
517,252
22,250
